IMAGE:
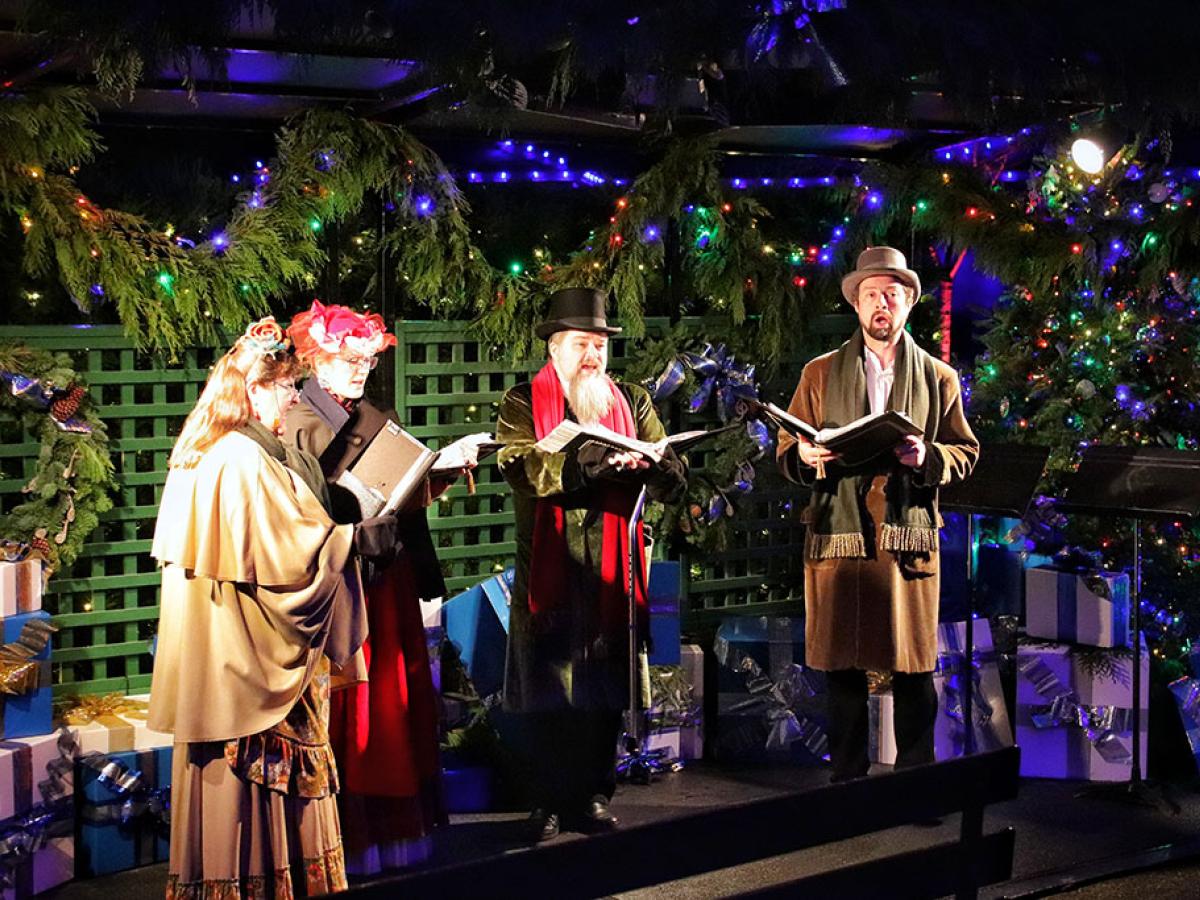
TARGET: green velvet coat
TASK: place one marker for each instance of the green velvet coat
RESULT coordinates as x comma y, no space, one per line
565,659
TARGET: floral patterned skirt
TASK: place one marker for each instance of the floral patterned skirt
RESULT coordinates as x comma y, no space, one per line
257,817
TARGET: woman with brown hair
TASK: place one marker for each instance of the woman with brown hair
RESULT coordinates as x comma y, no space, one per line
260,599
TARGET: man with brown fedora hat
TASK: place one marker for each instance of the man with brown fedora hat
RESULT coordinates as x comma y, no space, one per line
871,564
567,666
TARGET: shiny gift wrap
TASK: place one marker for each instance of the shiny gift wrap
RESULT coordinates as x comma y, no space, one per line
770,706
20,586
123,815
1074,711
37,846
676,711
111,722
989,715
26,708
1081,607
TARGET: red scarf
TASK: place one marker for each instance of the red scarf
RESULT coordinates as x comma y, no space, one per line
548,566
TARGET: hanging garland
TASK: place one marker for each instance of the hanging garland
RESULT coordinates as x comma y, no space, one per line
71,484
724,256
169,294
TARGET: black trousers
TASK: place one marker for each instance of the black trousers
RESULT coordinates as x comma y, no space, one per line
572,757
916,707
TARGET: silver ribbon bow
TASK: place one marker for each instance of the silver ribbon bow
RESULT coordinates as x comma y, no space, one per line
1102,725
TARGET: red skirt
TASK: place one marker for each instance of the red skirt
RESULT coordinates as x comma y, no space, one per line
385,732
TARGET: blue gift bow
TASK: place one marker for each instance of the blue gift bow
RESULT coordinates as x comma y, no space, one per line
1101,724
22,836
1187,698
950,664
777,699
134,799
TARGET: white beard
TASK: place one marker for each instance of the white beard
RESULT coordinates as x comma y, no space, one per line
590,398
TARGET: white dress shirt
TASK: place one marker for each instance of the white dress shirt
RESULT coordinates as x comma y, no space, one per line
879,382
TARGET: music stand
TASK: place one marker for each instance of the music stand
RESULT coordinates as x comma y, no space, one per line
1135,483
638,765
1001,484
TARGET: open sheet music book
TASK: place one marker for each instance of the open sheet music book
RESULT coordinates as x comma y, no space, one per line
858,441
388,474
448,463
570,436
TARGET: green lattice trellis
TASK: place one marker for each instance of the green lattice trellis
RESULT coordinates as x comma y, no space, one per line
447,386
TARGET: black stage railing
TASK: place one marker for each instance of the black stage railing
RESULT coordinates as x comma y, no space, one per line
695,843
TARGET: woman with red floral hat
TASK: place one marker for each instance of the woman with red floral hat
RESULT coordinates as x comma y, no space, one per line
384,732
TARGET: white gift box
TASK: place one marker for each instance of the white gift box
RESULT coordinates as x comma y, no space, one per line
21,586
1053,742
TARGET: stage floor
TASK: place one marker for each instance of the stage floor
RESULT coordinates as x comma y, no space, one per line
1056,832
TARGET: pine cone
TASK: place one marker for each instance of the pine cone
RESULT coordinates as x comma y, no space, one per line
67,403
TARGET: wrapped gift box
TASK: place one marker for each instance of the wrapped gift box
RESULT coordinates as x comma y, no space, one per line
469,787
663,595
999,580
677,705
112,723
1186,692
25,666
770,706
476,623
1061,688
121,803
37,811
1082,608
991,724
20,586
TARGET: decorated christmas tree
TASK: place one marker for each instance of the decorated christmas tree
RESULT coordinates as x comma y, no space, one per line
1094,343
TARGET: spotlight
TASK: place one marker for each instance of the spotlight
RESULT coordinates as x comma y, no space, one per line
1088,155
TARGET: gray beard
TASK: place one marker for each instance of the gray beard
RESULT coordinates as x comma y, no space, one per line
590,398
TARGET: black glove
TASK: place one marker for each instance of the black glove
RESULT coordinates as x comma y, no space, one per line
375,539
666,480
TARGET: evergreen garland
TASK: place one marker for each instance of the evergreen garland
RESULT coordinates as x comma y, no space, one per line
70,488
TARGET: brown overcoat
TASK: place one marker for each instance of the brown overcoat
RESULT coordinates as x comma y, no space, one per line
879,612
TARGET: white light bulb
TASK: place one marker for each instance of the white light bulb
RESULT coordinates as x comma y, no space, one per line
1088,155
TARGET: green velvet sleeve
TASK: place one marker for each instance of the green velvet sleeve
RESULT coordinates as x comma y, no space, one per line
527,469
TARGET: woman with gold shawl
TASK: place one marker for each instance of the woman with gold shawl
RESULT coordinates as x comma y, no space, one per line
260,599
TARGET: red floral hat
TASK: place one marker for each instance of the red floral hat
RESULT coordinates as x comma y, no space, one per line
338,330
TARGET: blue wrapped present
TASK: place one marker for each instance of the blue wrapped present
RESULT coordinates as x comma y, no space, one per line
25,667
1080,607
663,597
1187,697
770,706
467,787
476,623
122,810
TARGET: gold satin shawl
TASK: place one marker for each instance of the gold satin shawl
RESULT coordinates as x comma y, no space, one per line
253,572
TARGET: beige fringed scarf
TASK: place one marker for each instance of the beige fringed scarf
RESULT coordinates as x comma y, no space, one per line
838,520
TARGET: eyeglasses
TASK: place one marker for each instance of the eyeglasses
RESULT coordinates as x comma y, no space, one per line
360,362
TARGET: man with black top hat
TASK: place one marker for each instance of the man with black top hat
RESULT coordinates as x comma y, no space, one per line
567,667
871,562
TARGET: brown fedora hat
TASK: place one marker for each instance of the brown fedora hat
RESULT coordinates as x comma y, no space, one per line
576,309
880,261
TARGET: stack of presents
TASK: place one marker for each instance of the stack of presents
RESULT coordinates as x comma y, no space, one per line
84,788
1061,687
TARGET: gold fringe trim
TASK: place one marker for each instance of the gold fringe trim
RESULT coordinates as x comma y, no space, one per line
833,546
249,887
900,538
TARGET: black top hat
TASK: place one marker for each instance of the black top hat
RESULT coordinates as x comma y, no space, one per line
579,309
